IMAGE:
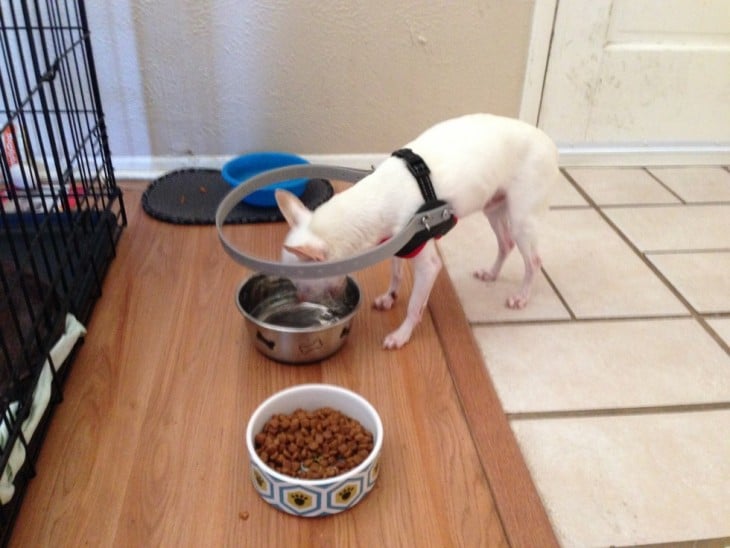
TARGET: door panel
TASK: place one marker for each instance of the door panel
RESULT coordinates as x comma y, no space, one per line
639,71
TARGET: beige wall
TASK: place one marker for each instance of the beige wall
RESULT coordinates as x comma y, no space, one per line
217,77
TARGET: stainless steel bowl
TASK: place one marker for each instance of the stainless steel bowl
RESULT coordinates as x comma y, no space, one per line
287,330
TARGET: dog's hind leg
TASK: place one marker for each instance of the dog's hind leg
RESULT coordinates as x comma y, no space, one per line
496,213
525,237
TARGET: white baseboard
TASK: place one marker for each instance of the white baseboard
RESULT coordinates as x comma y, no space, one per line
645,155
151,167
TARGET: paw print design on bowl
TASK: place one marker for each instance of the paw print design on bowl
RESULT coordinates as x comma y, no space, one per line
262,485
347,494
299,499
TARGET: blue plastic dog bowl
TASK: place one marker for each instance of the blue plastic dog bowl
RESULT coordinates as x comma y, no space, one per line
242,168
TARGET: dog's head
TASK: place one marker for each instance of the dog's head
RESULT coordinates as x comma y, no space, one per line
302,245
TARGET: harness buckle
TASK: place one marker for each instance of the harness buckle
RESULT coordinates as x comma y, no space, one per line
435,225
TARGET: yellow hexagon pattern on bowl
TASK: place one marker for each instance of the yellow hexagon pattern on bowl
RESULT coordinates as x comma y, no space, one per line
347,493
301,500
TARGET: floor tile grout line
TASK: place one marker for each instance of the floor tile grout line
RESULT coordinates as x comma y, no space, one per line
664,185
714,542
566,207
594,319
658,205
678,295
618,411
717,315
559,294
637,205
687,251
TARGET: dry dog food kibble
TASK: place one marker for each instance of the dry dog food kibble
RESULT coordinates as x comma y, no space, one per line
313,444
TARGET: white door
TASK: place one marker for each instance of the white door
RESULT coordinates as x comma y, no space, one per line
638,72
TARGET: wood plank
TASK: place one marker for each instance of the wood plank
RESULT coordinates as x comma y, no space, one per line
148,446
523,516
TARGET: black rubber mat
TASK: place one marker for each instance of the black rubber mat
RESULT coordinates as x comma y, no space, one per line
191,196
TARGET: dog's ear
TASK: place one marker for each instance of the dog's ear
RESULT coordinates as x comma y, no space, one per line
307,252
293,210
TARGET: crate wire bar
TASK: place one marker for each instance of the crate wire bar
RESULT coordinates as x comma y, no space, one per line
61,216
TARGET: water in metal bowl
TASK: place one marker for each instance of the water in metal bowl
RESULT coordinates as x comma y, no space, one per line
290,331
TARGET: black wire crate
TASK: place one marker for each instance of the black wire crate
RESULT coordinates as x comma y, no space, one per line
61,216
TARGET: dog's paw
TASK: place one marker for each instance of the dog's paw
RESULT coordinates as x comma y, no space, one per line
384,301
485,275
396,340
516,302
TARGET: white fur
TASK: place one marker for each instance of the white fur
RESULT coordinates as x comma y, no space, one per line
501,166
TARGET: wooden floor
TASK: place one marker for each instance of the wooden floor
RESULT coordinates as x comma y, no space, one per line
147,448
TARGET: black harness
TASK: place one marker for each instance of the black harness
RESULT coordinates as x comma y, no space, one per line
420,172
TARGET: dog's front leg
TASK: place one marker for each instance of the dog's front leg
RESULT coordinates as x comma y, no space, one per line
386,300
426,266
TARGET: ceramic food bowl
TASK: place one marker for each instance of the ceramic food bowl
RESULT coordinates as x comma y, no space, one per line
242,168
289,331
322,497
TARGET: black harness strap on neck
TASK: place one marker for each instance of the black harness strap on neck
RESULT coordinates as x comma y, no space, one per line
421,173
419,170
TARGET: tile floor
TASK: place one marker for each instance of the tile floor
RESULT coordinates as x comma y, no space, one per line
616,377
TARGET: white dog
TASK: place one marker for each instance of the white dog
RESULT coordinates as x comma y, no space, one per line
501,166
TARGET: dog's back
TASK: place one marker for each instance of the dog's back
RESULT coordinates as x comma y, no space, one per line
474,156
